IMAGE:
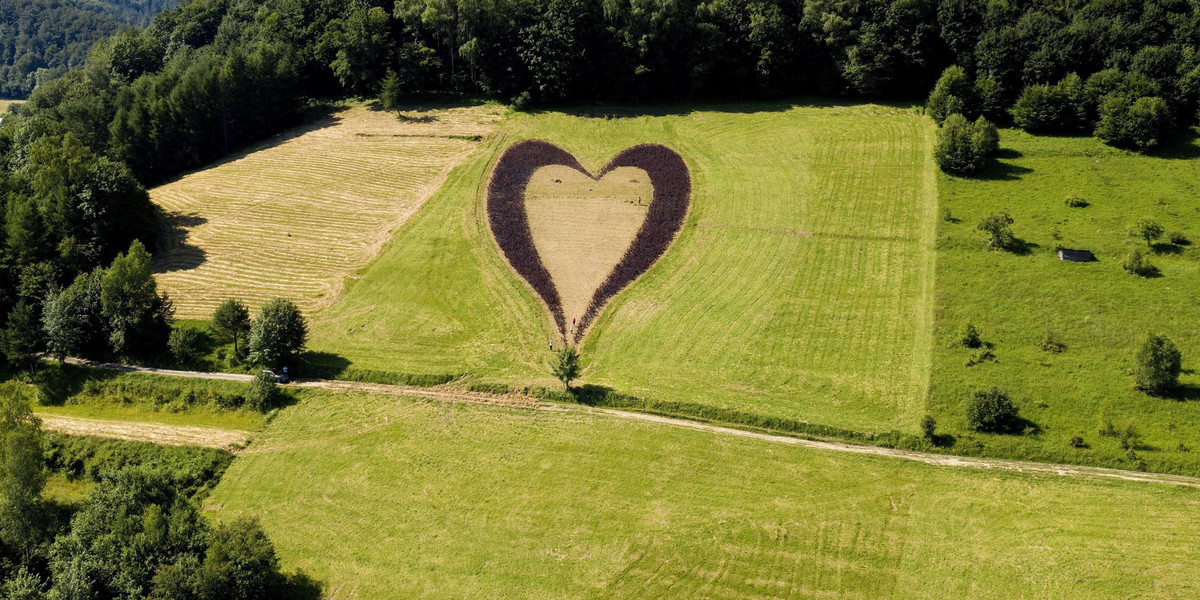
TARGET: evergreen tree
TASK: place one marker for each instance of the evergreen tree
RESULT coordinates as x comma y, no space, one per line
23,338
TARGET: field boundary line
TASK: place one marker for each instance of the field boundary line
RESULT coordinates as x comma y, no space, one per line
521,401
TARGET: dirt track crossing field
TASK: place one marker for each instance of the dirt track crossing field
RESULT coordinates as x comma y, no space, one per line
446,394
297,215
167,435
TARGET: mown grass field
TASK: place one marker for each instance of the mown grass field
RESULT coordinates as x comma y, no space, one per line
4,104
379,498
1098,310
800,285
297,214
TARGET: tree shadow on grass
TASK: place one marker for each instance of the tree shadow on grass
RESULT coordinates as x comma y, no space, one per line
1185,393
300,586
1162,248
732,106
943,440
1020,247
590,394
174,253
1022,426
58,382
1180,147
322,365
319,117
998,170
1150,272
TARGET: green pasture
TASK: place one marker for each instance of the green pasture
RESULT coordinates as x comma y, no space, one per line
800,285
1100,312
381,498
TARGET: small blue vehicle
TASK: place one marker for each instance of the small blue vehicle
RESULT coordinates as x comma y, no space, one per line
280,376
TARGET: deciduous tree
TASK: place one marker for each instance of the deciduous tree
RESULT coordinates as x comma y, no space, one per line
279,333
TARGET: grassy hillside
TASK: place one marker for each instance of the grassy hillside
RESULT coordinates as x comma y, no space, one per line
800,285
384,498
1100,312
296,215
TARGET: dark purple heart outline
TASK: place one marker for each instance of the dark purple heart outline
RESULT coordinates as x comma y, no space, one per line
672,183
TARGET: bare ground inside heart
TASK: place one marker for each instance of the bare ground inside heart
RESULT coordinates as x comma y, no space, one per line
582,227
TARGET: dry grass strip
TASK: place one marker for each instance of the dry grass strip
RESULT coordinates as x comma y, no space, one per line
155,433
295,216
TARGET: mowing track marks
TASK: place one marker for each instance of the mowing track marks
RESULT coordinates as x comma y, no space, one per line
451,395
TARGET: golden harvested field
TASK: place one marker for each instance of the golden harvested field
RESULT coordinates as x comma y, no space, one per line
297,215
582,227
4,104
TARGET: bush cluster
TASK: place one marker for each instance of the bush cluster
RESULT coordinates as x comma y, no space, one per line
1157,365
193,471
963,147
998,226
1137,263
990,411
1121,108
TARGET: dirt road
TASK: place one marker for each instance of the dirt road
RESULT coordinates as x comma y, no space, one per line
451,395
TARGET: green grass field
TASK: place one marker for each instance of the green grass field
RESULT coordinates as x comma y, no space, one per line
799,287
1098,310
380,498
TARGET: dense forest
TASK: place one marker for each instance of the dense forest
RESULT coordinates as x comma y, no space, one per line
42,39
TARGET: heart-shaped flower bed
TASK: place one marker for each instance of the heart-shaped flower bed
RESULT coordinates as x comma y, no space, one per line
584,222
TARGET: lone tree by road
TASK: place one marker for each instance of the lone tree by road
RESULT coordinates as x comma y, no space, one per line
1158,365
231,321
566,366
278,334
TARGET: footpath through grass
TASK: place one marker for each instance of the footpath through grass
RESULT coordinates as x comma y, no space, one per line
800,286
1100,312
384,499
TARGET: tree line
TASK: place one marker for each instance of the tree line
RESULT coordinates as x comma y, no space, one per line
213,75
42,39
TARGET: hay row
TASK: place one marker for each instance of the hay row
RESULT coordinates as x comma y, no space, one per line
299,214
